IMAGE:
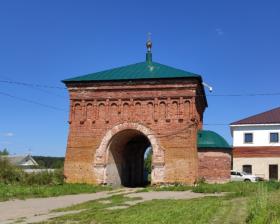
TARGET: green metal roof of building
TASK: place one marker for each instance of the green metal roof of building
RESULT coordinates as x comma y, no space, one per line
142,70
210,139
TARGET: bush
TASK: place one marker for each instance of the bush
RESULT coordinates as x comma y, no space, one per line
4,152
148,162
44,178
49,162
10,174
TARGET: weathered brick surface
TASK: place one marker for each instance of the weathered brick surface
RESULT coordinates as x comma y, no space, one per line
214,165
167,112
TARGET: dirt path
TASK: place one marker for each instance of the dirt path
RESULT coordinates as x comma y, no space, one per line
30,209
147,196
161,195
38,209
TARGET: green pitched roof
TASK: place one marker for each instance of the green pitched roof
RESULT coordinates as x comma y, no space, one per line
142,70
210,139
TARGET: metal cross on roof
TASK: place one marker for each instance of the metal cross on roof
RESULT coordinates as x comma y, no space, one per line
149,42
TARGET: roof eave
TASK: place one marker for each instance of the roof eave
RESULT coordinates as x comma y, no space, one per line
203,92
70,81
254,124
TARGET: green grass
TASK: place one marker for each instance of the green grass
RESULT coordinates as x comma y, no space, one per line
115,200
156,211
264,208
244,202
11,191
252,203
213,210
236,188
15,183
232,211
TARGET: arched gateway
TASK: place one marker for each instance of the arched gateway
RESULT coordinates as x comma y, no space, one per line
116,114
120,156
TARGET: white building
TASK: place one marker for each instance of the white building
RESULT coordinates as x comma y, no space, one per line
21,161
256,145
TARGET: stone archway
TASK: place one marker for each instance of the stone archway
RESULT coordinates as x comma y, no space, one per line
122,141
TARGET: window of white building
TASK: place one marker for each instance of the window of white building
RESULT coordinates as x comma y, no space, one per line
247,169
248,138
274,137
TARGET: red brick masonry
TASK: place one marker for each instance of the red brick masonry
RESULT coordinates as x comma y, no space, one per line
167,112
214,165
260,151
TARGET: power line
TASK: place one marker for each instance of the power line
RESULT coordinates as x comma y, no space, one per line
35,87
61,109
210,95
32,84
215,124
33,102
244,94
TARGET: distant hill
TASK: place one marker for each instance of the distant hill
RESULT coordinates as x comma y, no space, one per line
49,162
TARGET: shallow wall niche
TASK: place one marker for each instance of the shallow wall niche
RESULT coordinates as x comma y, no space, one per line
110,158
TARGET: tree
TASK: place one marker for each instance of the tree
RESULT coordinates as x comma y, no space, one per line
148,161
49,162
4,152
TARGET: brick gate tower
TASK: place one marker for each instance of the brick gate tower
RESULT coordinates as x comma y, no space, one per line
116,114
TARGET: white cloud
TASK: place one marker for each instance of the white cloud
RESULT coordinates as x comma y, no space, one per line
8,134
220,32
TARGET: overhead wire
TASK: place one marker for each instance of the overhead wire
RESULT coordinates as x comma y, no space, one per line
244,94
31,84
62,109
210,95
38,86
32,101
215,124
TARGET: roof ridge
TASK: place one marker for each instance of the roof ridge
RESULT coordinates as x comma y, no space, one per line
244,120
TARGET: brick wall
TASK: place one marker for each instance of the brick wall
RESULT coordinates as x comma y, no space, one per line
214,165
169,109
256,151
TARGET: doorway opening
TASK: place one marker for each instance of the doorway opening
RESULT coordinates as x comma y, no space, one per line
273,172
125,159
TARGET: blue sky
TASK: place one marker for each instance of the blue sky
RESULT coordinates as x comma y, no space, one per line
234,45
